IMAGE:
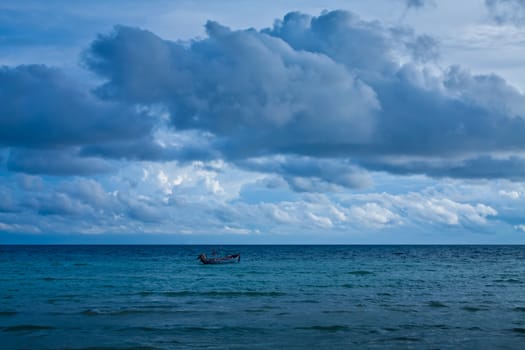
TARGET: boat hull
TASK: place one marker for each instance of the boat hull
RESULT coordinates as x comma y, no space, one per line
230,259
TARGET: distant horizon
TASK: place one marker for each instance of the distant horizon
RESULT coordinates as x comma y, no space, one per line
259,244
166,239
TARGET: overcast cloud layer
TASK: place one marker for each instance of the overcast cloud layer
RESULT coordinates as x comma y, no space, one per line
324,124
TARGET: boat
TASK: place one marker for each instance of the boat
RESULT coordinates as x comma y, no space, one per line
233,258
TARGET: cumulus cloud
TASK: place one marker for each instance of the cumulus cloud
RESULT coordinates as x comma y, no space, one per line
59,204
166,199
507,11
373,215
331,88
423,208
510,194
245,86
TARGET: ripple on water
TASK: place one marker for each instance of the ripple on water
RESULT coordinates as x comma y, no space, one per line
336,312
406,339
508,280
436,304
225,294
255,311
474,308
123,312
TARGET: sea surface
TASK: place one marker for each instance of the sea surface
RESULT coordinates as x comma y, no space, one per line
277,297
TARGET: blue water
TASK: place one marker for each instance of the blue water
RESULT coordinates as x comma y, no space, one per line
279,297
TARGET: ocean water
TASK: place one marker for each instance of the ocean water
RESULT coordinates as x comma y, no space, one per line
277,297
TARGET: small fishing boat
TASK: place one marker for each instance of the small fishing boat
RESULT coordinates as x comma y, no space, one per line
233,258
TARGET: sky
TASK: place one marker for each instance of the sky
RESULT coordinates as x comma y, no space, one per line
275,122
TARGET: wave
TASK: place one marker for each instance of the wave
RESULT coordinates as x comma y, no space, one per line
8,313
122,312
518,330
306,301
185,293
114,348
26,327
408,339
509,280
473,308
333,328
360,273
255,311
336,312
191,329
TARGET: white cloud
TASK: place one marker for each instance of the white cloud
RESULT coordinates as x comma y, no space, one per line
373,215
321,221
425,208
237,230
17,228
510,194
279,214
519,228
339,215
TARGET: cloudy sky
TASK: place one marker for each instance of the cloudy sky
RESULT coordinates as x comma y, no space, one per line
240,121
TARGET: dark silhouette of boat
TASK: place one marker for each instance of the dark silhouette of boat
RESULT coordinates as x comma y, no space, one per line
233,258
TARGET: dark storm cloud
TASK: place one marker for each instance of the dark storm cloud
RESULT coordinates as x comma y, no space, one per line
245,86
328,88
40,107
305,173
191,147
482,167
61,205
507,11
363,47
46,117
61,162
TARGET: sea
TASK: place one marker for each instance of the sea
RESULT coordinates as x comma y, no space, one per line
277,297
